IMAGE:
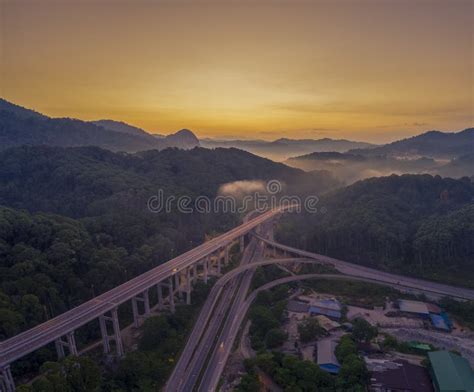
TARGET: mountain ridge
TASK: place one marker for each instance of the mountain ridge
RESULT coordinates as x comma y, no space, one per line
431,144
22,126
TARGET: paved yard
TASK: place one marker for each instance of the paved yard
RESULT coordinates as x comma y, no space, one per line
378,317
444,341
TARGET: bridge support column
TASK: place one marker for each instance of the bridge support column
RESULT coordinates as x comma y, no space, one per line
171,294
7,383
218,263
59,344
169,286
226,254
104,334
159,289
146,305
135,312
188,286
70,343
116,336
177,284
206,267
242,244
146,301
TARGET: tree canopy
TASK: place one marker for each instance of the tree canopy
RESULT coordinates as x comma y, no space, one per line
414,224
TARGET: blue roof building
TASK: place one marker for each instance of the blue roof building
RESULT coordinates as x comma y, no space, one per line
327,360
439,322
328,307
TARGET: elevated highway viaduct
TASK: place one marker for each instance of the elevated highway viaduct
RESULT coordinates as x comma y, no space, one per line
175,277
170,278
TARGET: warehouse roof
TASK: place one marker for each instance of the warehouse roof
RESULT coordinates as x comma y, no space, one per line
451,372
400,376
413,307
326,353
326,312
298,307
331,304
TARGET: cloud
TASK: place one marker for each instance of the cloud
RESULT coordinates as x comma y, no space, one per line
241,188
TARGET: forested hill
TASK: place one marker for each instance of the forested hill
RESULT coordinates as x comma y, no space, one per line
21,126
89,181
429,144
413,224
16,128
50,262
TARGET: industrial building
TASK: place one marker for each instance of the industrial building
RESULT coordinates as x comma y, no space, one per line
397,376
451,372
326,357
330,308
439,319
297,306
415,307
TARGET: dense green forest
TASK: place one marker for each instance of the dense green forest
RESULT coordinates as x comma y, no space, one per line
160,341
413,224
89,181
75,223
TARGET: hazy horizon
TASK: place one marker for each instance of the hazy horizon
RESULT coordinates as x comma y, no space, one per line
248,136
365,71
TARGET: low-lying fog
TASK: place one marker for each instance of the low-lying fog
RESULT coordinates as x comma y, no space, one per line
350,168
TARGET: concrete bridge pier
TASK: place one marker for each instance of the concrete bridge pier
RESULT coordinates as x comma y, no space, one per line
214,265
218,261
242,244
7,384
70,343
188,286
272,251
226,254
171,295
271,233
116,336
104,334
145,299
159,290
169,286
206,269
177,284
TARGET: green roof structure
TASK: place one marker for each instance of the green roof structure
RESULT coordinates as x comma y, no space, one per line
420,346
451,372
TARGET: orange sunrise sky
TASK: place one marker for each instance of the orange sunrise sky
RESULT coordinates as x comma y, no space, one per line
373,70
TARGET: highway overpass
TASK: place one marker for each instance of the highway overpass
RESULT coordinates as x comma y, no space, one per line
176,277
193,372
172,277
